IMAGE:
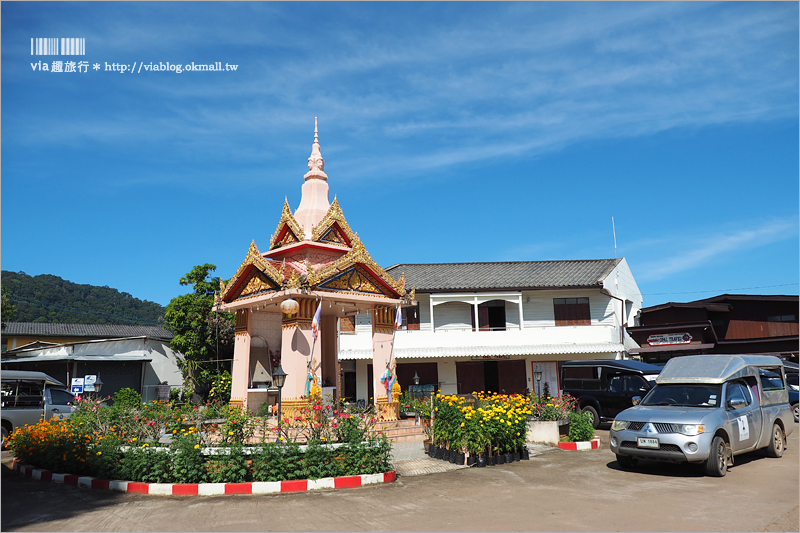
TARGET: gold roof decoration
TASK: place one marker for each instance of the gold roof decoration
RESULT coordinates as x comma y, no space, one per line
256,260
357,255
334,216
294,281
288,220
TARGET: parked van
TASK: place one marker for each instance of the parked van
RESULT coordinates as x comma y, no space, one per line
707,409
606,387
26,396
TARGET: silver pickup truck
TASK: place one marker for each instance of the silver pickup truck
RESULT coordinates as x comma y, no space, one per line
707,409
27,396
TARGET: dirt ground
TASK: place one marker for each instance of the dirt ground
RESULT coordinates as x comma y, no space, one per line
555,491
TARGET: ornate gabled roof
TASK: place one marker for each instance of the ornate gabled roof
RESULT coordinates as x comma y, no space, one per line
333,228
356,272
254,276
288,230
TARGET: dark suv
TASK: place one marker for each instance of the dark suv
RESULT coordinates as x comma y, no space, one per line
606,387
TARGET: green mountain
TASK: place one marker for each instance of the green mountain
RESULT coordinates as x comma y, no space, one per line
48,298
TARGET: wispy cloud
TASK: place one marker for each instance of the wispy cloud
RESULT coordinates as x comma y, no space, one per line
712,247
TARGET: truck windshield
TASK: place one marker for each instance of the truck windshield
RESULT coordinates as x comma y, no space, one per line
684,395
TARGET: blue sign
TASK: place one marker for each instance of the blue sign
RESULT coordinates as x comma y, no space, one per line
77,386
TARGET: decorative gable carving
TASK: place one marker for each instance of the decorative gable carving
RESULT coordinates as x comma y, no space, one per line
254,276
355,279
333,228
357,269
288,230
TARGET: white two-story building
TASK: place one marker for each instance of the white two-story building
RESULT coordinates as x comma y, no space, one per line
488,326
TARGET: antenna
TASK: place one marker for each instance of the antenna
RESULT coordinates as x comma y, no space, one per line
614,230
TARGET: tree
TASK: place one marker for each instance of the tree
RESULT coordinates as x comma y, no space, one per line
204,337
7,309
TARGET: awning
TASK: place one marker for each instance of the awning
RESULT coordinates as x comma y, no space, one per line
670,348
475,351
47,359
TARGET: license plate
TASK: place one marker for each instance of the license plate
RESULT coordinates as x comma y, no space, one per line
647,443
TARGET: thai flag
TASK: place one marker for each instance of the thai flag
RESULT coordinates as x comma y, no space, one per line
315,322
398,319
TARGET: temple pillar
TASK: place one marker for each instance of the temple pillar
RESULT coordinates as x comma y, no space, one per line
240,371
382,339
297,342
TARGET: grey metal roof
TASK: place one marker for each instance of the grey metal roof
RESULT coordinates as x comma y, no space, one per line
432,277
712,368
95,331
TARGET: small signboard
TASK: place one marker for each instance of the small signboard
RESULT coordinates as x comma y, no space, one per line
489,357
77,386
88,382
669,338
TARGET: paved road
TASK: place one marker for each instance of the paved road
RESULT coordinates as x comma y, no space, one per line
554,491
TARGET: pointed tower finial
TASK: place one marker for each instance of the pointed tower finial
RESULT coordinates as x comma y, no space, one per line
316,164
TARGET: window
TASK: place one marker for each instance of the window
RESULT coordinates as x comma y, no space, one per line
411,318
61,397
572,311
771,379
782,318
241,321
736,392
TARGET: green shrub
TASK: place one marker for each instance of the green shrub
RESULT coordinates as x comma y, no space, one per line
228,468
189,465
580,427
126,397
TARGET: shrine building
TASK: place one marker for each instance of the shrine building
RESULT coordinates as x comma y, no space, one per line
314,263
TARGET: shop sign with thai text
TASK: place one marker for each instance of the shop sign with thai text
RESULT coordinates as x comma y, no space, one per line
669,338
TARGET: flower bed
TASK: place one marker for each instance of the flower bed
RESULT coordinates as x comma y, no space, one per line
121,442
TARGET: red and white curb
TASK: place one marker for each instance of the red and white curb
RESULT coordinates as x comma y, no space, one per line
585,445
207,489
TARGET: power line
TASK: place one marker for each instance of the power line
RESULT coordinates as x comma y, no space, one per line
719,290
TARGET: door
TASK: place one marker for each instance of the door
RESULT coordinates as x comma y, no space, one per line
744,416
511,377
469,375
58,403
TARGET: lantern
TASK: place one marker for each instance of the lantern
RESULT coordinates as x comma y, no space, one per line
290,307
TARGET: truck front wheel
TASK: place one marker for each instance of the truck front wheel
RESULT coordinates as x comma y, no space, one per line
595,417
777,443
717,462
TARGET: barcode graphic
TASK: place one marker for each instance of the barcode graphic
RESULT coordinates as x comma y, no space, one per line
54,46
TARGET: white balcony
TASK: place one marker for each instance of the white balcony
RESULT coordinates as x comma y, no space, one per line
468,343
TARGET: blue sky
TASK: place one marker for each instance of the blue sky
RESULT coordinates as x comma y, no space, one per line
451,132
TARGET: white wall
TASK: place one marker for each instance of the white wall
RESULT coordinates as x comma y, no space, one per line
452,316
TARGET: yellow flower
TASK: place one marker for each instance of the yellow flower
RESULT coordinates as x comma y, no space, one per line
197,445
230,433
99,453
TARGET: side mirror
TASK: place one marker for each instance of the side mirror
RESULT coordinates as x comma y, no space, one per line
636,399
734,404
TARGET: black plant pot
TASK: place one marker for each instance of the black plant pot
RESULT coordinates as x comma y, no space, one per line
516,456
454,457
440,452
432,451
446,455
509,457
471,460
460,458
526,456
491,460
481,462
501,459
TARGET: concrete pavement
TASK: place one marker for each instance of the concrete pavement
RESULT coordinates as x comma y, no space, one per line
554,491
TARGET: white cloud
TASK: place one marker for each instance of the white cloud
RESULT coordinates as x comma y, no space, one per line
709,248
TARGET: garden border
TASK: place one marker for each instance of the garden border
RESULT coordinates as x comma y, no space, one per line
580,446
206,489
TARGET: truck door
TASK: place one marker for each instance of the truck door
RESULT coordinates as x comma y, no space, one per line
58,403
744,415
